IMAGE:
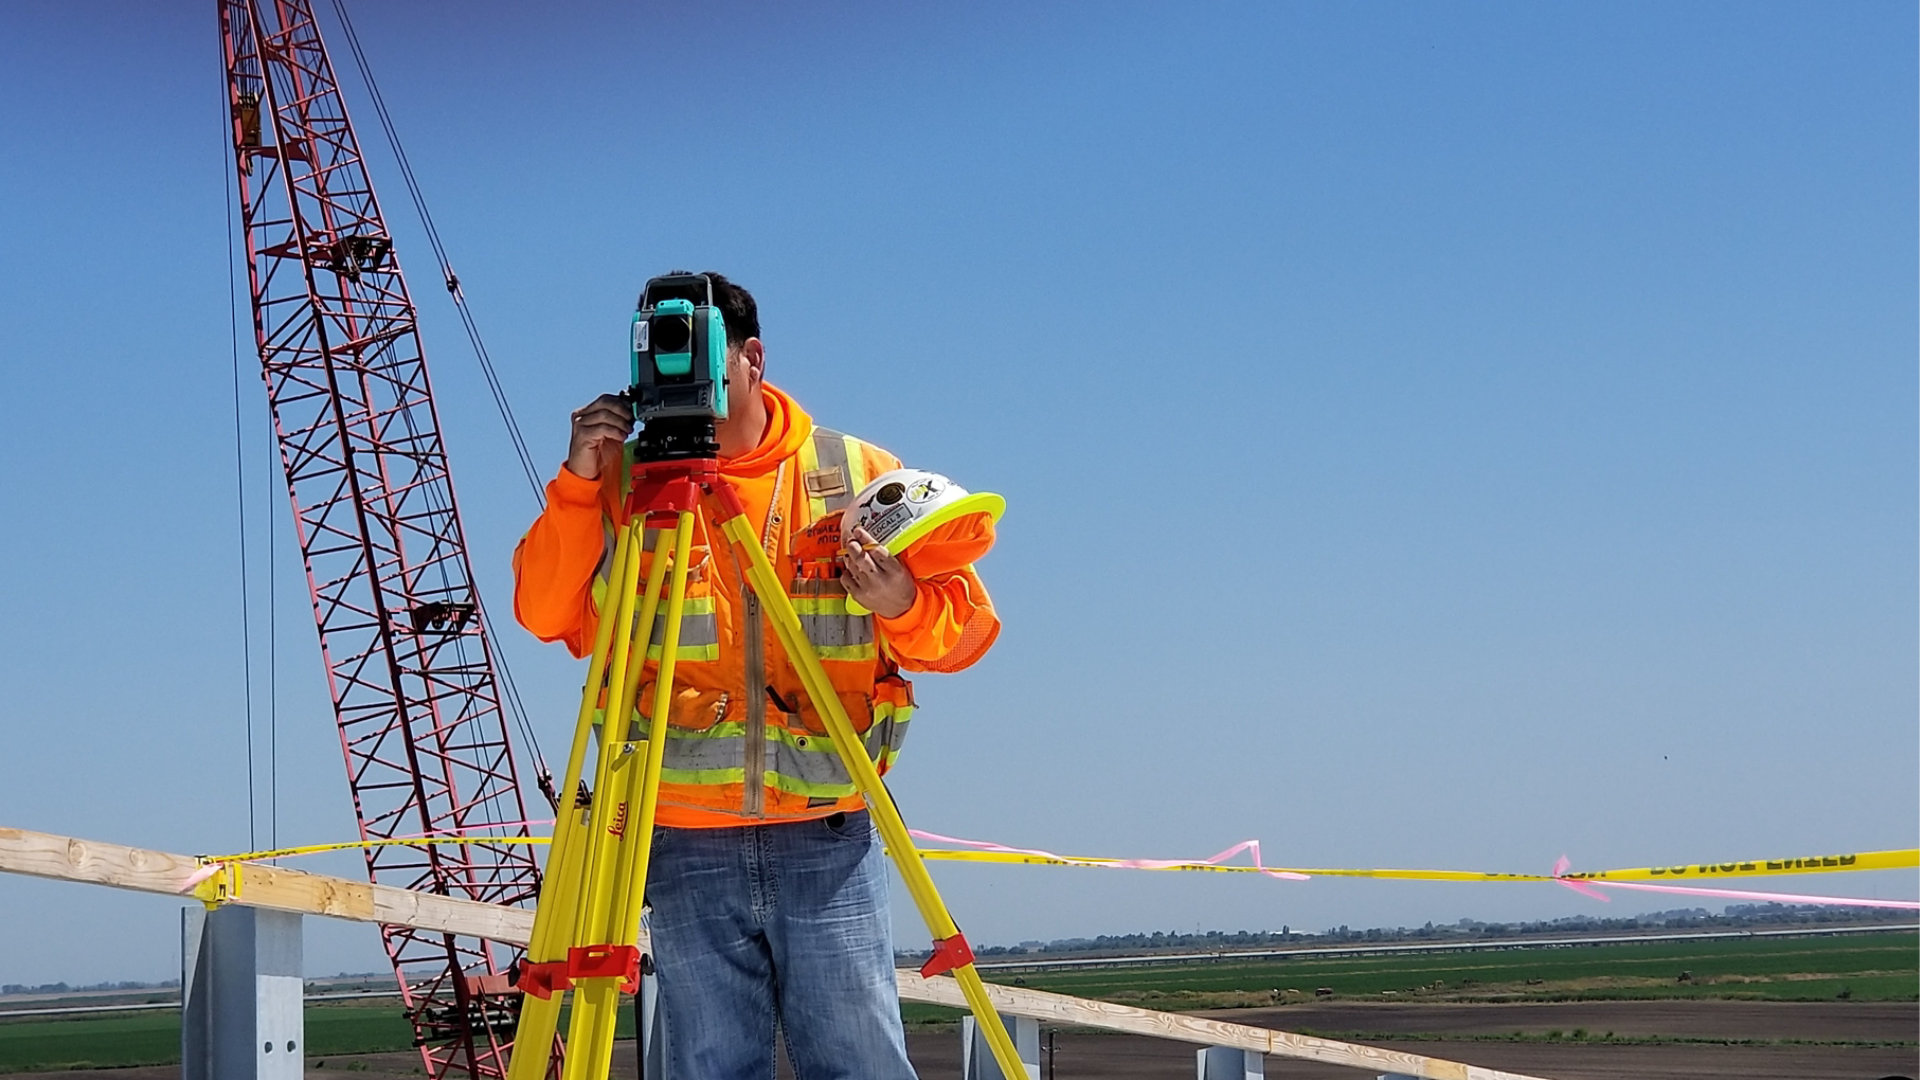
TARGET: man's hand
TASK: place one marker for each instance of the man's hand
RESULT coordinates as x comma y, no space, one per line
608,420
875,578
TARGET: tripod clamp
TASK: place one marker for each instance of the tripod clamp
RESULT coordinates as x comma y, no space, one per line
621,962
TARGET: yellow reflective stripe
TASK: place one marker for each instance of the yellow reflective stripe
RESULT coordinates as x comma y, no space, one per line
685,652
793,785
810,463
847,652
820,605
857,474
697,605
702,777
798,763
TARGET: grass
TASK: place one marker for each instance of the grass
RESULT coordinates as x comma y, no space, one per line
109,1040
1866,967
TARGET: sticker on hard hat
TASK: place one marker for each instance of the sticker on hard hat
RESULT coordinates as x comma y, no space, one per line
884,527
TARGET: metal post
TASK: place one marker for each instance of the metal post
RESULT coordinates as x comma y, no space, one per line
650,1023
976,1057
1230,1063
241,986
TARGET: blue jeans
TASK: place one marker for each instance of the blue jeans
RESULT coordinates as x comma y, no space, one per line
785,923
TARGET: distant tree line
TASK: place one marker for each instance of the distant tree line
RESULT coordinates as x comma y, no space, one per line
63,988
1733,917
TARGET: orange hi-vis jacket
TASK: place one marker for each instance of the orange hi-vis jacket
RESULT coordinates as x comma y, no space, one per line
744,743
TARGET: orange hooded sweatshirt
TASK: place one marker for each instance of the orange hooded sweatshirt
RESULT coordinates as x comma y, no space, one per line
950,625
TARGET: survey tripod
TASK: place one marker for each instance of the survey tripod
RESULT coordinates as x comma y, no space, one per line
588,916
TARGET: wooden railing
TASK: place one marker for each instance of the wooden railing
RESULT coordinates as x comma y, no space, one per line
66,858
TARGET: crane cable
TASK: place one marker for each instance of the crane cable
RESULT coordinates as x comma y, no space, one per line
227,165
451,279
512,694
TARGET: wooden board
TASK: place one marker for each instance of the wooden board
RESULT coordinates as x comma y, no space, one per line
65,858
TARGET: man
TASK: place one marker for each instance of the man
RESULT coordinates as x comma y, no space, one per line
767,886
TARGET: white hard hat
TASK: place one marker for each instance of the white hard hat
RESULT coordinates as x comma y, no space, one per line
903,505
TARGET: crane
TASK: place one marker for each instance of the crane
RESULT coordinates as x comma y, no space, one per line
403,637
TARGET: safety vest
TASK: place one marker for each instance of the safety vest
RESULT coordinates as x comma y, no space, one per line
743,739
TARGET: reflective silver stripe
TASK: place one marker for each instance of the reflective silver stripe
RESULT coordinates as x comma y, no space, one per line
794,762
699,751
822,608
830,452
754,796
815,766
696,630
828,631
888,732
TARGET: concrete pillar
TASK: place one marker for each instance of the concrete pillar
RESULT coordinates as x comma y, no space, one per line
241,987
976,1057
1230,1063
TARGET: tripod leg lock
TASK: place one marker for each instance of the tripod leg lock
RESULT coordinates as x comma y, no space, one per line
621,962
948,953
544,979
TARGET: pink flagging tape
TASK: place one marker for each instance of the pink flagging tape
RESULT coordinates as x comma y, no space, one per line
1746,894
201,875
1252,847
1561,866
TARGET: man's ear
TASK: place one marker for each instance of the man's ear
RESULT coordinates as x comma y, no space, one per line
754,356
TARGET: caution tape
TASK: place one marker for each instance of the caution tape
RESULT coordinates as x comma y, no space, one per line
355,845
985,852
1662,879
1639,878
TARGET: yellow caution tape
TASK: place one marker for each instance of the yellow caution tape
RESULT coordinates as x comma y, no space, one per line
355,845
1902,859
1897,859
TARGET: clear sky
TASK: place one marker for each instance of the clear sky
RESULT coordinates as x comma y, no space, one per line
1443,436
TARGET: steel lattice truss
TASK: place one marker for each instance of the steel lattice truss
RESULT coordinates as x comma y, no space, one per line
408,663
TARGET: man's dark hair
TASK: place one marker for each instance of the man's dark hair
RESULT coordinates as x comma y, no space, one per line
737,307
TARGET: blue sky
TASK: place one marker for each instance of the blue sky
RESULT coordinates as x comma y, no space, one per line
1433,436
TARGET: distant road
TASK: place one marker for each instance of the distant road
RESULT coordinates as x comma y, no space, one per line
1223,955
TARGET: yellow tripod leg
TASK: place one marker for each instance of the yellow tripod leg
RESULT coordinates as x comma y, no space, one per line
893,829
647,796
610,829
552,921
618,895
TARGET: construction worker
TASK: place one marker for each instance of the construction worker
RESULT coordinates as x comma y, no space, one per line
767,886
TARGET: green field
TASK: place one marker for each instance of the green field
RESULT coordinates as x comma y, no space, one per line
153,1038
1863,967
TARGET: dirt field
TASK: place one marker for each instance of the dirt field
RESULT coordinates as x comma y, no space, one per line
1813,1041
